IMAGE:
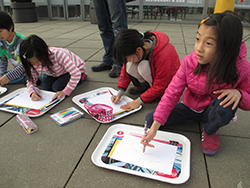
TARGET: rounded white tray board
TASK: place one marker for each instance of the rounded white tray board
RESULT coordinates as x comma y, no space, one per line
162,135
24,89
3,90
76,99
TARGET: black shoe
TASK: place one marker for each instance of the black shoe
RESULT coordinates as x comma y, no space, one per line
139,89
115,72
101,67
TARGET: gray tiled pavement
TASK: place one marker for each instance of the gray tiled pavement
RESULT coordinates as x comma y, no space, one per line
61,156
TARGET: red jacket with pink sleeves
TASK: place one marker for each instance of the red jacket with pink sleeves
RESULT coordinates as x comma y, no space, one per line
164,64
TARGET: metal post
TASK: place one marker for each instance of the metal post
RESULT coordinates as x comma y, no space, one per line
49,9
140,10
66,9
2,5
82,9
205,5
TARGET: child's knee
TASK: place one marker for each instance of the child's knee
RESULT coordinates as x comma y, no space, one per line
221,112
218,116
150,119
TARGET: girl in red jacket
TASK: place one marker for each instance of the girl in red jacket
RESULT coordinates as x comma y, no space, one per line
149,61
216,79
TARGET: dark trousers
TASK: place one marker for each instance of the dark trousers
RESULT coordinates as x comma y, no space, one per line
51,83
215,116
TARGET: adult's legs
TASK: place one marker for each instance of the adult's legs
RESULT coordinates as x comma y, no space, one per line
119,21
103,18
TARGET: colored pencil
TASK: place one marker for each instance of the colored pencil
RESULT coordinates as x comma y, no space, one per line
145,134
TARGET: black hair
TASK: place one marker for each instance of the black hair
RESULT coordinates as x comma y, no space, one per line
34,46
6,21
126,43
229,31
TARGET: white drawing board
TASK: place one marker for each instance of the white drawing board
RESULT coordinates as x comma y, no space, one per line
102,95
160,158
2,90
29,109
117,142
24,100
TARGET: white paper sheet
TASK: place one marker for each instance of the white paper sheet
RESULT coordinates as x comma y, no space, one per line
106,99
24,100
160,158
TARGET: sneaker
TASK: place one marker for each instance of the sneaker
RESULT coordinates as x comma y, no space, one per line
210,143
115,72
101,67
139,89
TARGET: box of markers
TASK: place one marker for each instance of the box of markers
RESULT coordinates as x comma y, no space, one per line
66,116
27,124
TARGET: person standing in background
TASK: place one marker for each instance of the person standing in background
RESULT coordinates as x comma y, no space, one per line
111,16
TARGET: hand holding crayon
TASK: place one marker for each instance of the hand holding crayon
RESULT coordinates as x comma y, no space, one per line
35,96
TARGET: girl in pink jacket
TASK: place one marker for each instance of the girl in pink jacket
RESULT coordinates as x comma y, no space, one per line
64,69
216,80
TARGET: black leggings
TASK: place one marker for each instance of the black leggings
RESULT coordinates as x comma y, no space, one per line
215,116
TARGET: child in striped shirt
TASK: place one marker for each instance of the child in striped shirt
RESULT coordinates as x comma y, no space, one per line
9,51
64,69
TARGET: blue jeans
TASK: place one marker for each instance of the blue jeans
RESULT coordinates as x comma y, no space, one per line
111,16
215,116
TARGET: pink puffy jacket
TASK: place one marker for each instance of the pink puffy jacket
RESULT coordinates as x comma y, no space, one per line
196,95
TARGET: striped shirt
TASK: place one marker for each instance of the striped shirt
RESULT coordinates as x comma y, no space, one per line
63,61
9,53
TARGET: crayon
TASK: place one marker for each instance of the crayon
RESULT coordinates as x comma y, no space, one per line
32,87
112,94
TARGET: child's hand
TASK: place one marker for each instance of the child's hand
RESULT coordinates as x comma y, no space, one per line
145,140
131,105
233,96
150,134
35,97
116,99
58,94
4,80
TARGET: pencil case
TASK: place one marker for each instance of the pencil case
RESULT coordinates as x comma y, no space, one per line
27,124
101,112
